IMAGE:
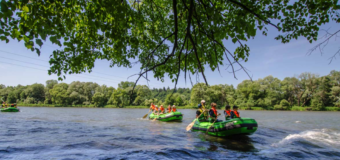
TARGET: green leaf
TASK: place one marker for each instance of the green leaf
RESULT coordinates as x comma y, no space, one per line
25,9
234,40
39,42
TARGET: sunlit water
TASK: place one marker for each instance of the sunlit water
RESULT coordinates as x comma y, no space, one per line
88,133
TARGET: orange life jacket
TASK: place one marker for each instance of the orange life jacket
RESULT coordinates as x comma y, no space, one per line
215,111
228,112
156,109
162,109
152,107
236,114
173,109
169,109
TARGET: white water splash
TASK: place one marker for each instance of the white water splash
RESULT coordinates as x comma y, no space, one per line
319,136
297,121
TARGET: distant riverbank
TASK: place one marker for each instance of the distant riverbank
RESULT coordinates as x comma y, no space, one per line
294,108
93,106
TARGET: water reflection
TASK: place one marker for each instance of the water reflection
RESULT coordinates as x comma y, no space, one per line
236,143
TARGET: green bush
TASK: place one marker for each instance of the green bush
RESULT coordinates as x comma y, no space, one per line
243,105
29,100
297,108
284,103
317,105
277,107
332,108
249,105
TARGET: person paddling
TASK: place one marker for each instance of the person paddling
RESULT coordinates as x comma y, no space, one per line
174,108
213,112
161,109
235,113
227,112
201,113
152,107
155,110
169,108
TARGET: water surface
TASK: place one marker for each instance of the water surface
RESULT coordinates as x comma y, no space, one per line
92,133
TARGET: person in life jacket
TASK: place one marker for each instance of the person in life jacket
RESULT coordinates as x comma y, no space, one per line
161,109
169,108
201,112
152,107
173,108
213,112
155,110
227,112
234,113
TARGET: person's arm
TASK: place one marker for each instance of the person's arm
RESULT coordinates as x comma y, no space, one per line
211,113
198,113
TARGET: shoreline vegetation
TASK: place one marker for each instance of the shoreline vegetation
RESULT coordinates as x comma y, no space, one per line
305,92
294,108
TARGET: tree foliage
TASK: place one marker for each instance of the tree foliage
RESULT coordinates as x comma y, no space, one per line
305,90
165,37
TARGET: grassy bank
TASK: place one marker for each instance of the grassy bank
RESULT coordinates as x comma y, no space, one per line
294,108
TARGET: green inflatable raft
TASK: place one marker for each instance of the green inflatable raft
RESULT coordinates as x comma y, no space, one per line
173,116
10,109
235,126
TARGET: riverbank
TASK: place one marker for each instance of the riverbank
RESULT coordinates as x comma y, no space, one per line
294,108
93,106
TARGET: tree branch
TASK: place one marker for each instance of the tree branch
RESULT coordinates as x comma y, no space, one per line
252,12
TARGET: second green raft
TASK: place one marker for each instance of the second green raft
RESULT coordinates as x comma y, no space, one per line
236,126
173,116
9,109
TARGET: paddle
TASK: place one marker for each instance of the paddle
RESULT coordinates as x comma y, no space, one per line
146,114
213,123
193,122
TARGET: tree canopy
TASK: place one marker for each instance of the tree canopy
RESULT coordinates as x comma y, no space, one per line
165,37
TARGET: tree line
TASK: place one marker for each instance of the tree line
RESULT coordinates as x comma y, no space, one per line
306,90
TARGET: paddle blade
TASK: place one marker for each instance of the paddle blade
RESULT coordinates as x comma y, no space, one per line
190,126
154,119
145,115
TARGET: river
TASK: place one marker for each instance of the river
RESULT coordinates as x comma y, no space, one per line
92,133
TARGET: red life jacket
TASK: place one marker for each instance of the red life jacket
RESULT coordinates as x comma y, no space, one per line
152,107
173,109
169,109
215,111
227,111
162,109
236,114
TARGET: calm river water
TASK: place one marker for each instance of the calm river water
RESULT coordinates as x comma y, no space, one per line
90,133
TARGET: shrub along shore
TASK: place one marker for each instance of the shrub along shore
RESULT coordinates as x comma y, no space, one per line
294,108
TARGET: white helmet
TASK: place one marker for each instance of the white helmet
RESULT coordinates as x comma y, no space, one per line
202,101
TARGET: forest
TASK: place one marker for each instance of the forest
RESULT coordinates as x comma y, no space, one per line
306,90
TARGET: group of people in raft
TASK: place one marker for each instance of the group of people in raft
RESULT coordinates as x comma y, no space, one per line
161,110
202,113
5,105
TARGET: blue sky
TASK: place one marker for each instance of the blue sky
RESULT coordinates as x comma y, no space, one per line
267,57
